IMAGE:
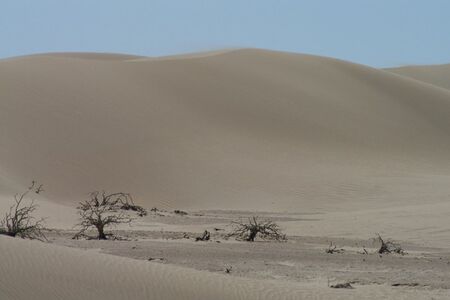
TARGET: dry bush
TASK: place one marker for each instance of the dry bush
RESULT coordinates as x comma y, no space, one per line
180,212
141,212
389,247
205,237
346,285
104,210
265,229
333,249
19,220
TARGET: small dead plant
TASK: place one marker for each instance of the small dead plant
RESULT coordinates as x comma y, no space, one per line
333,249
254,227
388,247
205,236
346,285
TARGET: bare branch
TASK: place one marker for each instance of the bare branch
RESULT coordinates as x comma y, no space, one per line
265,229
102,210
19,221
389,247
333,249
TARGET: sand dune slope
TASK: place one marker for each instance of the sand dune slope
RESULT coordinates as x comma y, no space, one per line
438,75
35,270
236,129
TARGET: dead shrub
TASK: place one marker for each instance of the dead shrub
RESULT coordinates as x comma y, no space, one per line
254,227
388,247
19,220
103,210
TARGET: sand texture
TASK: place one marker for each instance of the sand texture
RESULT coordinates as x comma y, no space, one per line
238,129
329,149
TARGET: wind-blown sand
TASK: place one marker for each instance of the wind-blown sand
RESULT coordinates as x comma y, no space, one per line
357,150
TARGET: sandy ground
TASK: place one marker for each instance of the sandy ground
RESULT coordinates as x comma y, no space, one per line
150,261
330,150
300,259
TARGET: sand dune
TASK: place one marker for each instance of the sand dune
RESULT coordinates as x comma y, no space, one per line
84,55
356,150
438,75
238,129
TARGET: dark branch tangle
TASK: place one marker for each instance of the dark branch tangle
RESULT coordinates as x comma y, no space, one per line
104,210
19,220
254,227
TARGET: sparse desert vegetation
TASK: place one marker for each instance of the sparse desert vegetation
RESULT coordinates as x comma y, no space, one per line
103,210
296,259
260,261
19,220
255,227
387,247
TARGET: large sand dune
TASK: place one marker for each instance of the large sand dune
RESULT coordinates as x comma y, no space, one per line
247,129
354,149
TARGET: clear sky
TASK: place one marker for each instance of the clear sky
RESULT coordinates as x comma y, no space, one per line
377,33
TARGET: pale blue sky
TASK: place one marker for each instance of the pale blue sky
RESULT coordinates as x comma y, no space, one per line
377,33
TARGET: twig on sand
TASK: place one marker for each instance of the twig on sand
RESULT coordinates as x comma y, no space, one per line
346,285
